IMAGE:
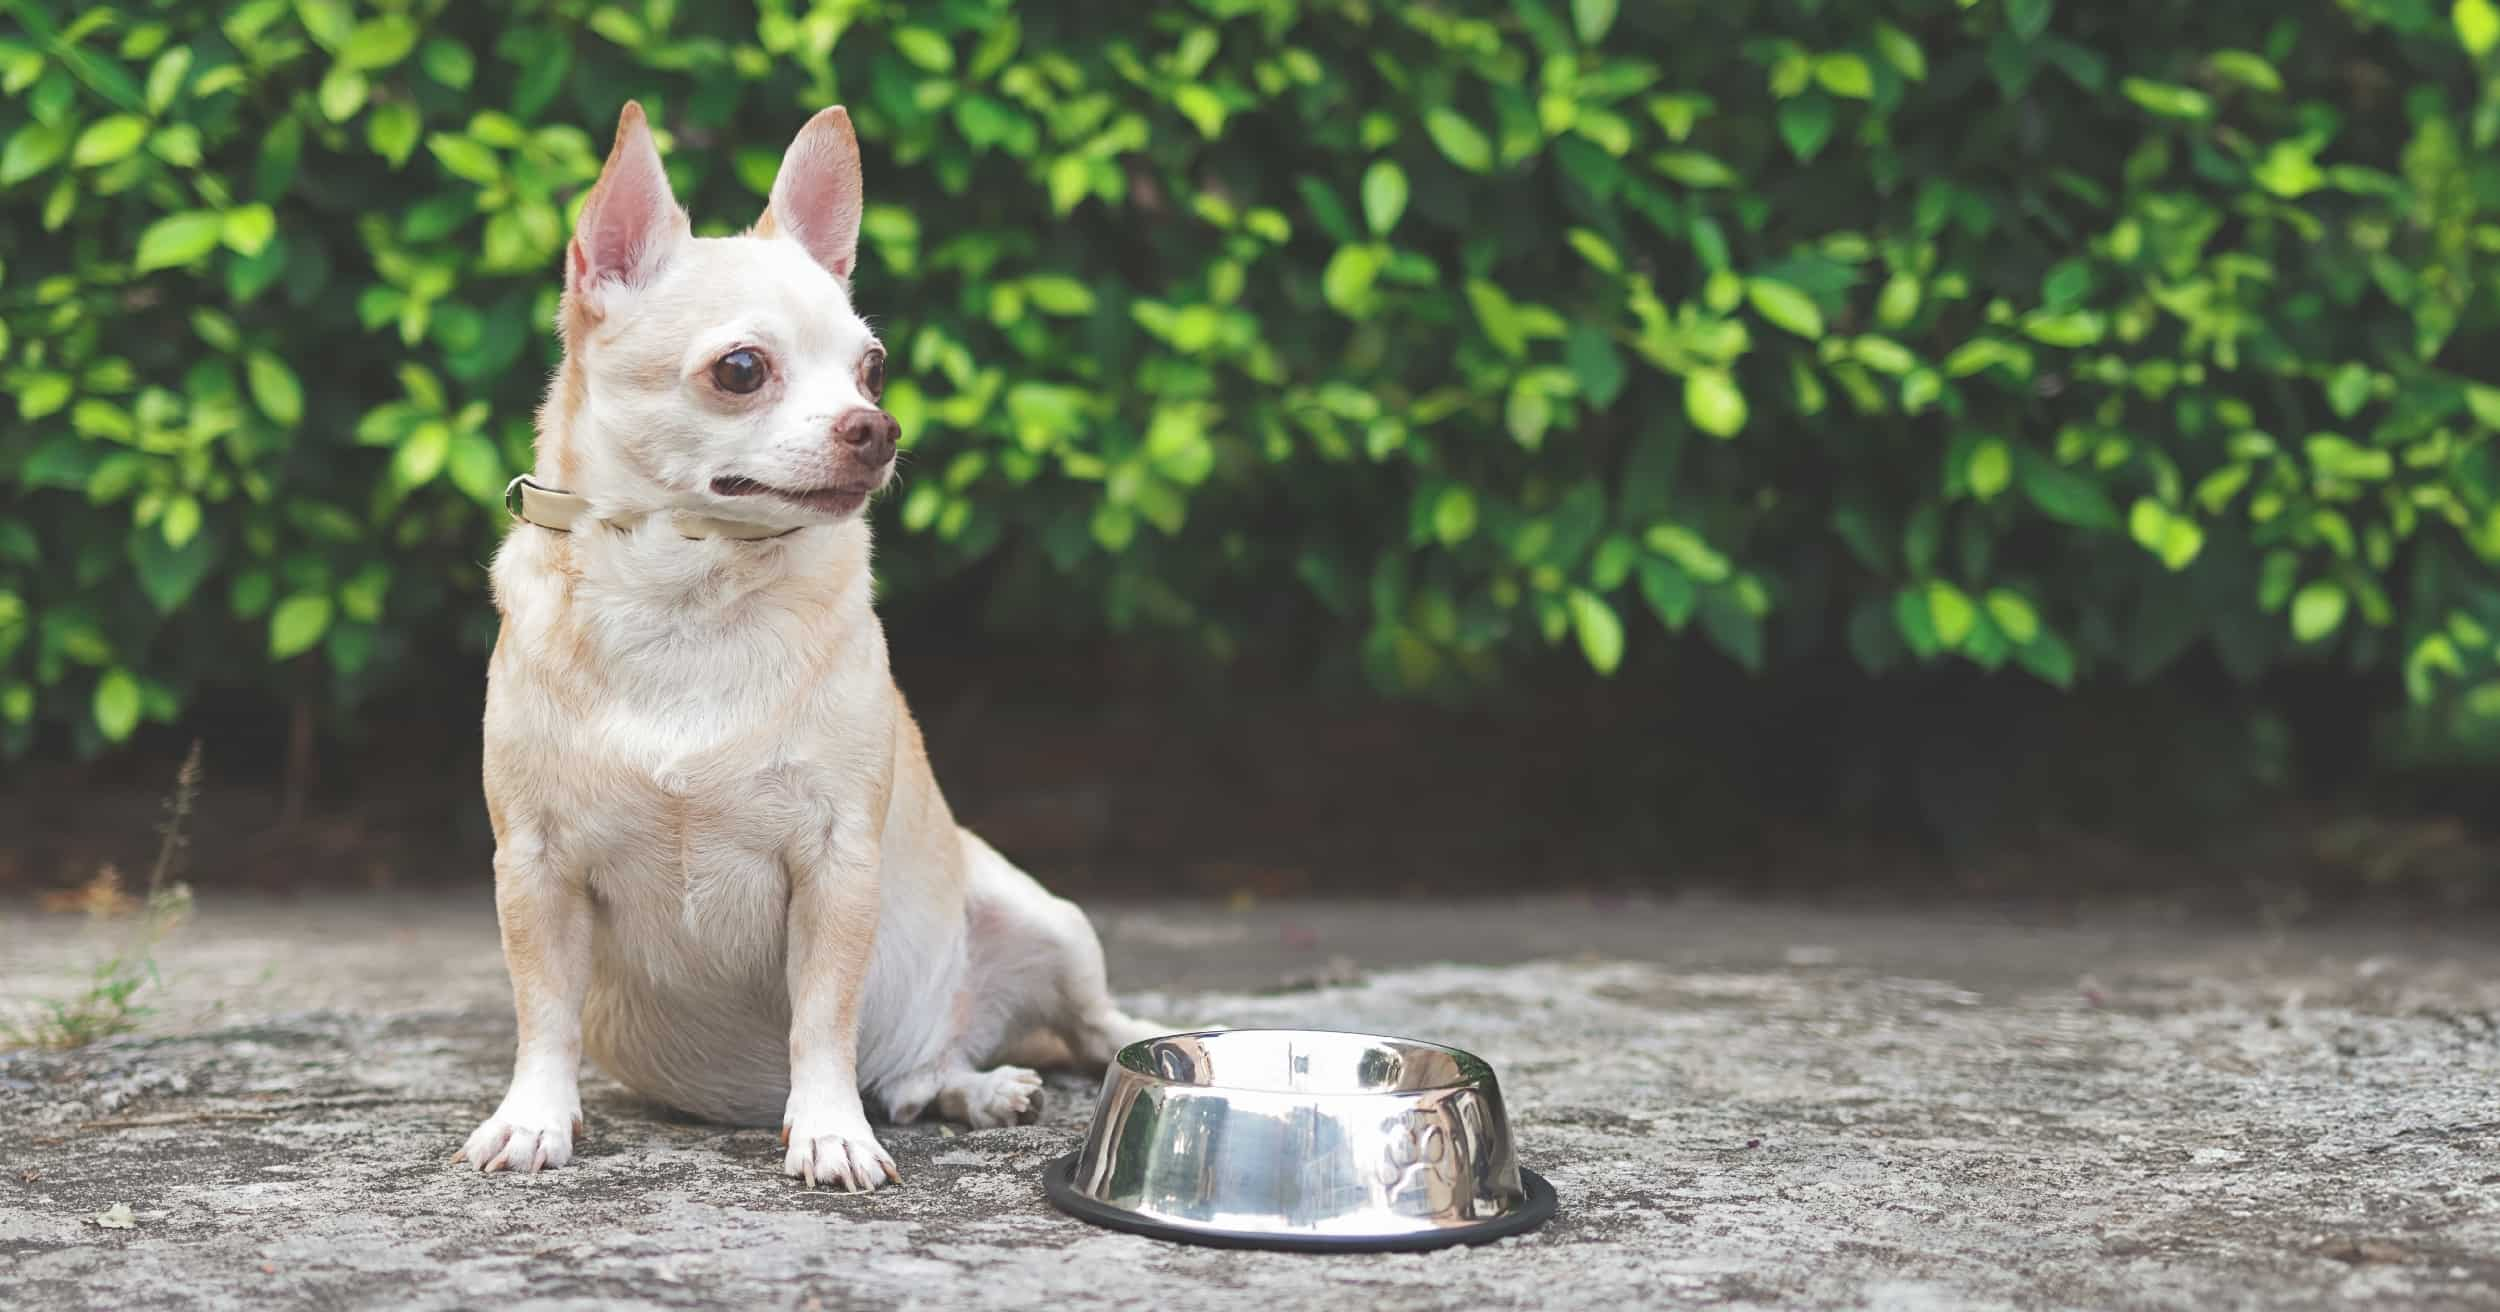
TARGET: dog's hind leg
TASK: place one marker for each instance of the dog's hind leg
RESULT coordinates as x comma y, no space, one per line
1034,994
1031,946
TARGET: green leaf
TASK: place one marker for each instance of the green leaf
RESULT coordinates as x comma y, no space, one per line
448,62
925,48
1690,553
1460,139
109,139
2484,402
2289,171
1695,169
476,469
2014,615
1599,252
297,624
32,149
1347,279
1669,592
1059,294
1785,306
465,158
392,130
1805,123
1951,613
165,78
1600,630
2317,611
1596,363
379,42
421,456
342,93
1901,51
2075,329
1714,403
1454,515
247,228
117,704
2028,18
2175,538
1528,413
1500,317
42,394
1991,469
179,239
1845,75
1734,627
274,388
170,574
2478,25
2067,496
2049,658
1202,107
2167,99
181,522
1591,18
1384,196
2337,457
2249,70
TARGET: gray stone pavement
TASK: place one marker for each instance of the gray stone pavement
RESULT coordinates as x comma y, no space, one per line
1741,1105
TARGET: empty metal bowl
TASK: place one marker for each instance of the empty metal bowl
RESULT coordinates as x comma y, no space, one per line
1300,1139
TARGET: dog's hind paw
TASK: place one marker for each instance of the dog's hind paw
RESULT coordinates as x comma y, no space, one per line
985,1100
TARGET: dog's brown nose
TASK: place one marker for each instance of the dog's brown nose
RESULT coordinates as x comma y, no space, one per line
870,434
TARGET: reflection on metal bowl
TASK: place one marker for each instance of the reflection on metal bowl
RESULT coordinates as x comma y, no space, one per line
1302,1139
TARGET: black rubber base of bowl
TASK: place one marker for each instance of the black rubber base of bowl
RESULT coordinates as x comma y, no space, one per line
1537,1210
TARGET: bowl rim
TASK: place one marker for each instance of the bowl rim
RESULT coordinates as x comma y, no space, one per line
1483,1078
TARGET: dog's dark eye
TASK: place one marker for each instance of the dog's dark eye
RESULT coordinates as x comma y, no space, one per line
872,373
741,371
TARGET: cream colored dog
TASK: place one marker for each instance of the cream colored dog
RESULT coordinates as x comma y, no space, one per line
722,867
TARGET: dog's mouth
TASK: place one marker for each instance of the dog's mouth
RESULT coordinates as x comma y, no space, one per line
835,500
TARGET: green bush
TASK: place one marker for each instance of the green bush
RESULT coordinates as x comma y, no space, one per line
2061,336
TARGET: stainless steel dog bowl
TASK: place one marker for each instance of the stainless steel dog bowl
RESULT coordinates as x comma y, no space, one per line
1300,1139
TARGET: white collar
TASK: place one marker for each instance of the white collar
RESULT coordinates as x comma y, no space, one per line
562,512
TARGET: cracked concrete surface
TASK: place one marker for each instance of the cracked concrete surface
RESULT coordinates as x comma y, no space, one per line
1744,1105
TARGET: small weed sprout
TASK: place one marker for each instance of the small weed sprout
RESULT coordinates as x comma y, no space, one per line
110,1004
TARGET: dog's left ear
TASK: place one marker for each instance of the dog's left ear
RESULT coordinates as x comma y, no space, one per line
816,196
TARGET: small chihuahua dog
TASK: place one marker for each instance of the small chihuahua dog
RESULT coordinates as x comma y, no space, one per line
722,867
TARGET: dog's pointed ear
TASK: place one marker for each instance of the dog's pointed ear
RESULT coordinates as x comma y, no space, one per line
631,223
816,196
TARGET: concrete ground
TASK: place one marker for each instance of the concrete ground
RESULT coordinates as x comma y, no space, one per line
1741,1105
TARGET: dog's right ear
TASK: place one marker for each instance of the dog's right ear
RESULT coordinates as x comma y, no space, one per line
631,223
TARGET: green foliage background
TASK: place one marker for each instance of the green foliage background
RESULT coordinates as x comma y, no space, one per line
2064,337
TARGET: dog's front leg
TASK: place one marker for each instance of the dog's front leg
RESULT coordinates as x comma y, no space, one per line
834,907
545,915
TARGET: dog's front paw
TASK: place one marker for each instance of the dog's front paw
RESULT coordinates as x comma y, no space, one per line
833,1153
523,1138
